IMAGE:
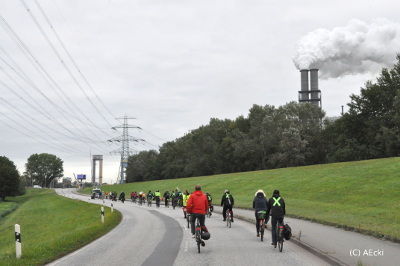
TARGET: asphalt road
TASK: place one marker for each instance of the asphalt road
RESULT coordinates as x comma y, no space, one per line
159,236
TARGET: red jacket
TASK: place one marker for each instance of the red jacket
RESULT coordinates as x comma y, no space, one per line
197,203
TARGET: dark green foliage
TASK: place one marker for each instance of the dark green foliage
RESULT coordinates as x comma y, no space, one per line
370,129
268,138
9,179
42,168
290,135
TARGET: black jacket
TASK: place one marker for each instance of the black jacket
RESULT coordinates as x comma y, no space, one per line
260,202
227,200
276,206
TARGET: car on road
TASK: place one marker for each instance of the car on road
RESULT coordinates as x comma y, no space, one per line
96,193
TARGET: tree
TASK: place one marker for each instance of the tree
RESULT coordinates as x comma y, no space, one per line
9,179
141,167
43,168
370,129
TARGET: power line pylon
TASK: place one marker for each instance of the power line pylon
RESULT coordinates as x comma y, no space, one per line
125,152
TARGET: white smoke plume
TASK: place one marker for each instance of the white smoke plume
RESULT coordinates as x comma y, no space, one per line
354,49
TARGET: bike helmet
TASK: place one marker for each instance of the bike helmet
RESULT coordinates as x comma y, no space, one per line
226,191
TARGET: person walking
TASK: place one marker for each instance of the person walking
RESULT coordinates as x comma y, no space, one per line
227,202
259,204
197,205
275,207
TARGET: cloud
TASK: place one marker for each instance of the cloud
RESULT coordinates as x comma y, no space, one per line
357,48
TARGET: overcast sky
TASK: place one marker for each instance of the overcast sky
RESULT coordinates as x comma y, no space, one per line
69,68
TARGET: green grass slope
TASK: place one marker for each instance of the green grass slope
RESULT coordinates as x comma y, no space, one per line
51,226
362,196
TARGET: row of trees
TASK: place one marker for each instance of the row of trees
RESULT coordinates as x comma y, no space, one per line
268,138
291,135
41,169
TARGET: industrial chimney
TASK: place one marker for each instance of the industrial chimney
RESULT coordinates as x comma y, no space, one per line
303,95
310,93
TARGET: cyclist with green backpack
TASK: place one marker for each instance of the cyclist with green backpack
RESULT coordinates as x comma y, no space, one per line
275,206
260,205
227,202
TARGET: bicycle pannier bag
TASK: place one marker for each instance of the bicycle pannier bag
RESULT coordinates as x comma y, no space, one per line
287,234
205,235
261,214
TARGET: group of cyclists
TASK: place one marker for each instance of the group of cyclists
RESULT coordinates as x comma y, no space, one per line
198,204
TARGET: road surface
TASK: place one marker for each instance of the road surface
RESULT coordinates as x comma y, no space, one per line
159,236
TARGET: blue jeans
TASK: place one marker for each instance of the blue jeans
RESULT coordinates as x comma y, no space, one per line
274,223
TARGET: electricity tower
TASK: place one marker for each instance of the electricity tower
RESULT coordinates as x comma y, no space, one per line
125,152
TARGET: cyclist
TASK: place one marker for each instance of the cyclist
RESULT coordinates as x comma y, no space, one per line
209,198
185,198
260,204
275,206
179,197
141,197
166,198
157,195
173,199
133,196
149,196
228,202
197,205
122,196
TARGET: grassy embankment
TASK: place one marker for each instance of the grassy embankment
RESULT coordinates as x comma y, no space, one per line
51,226
363,196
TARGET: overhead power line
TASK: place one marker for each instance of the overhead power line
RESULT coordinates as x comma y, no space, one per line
63,62
72,60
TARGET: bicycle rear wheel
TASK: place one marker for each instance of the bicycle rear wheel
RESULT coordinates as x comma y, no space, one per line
280,240
262,231
228,220
198,236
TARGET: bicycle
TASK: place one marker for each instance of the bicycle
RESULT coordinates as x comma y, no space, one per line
188,219
166,203
173,203
228,218
261,222
209,211
149,202
279,236
158,202
199,241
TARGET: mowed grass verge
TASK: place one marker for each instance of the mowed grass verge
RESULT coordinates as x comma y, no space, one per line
51,226
363,196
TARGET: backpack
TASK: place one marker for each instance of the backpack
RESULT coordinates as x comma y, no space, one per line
228,200
287,232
